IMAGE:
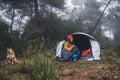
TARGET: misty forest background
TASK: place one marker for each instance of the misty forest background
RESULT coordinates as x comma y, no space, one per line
34,27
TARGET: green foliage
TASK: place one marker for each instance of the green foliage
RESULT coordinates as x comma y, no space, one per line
3,28
112,48
7,39
38,67
10,40
31,32
118,62
34,49
106,78
117,48
50,28
56,3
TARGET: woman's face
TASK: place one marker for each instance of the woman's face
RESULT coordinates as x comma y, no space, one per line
71,40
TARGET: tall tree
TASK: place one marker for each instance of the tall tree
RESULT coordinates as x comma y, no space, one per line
92,31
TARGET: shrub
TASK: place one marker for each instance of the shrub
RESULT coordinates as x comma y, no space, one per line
38,67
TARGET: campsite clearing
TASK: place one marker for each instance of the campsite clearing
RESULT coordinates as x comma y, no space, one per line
105,69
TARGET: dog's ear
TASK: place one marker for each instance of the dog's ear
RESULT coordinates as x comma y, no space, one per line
7,49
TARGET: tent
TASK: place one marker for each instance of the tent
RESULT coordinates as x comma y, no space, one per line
83,42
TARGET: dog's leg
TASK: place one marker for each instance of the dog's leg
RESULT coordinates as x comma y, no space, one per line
12,61
16,60
7,60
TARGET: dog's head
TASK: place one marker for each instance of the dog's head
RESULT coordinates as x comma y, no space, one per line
10,50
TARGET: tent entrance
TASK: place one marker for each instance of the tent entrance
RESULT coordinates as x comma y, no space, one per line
82,42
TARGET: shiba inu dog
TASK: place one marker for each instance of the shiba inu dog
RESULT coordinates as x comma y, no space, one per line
11,58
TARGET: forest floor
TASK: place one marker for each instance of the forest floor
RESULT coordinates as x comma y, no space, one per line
108,68
89,71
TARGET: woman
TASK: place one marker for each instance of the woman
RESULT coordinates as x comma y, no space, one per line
69,49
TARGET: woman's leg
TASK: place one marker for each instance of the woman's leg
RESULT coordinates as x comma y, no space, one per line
66,55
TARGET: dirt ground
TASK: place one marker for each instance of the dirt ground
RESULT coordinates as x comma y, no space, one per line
105,69
86,71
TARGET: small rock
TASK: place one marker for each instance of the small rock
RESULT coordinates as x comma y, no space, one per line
115,77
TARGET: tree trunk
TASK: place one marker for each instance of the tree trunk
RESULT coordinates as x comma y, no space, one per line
12,19
31,10
36,7
92,31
